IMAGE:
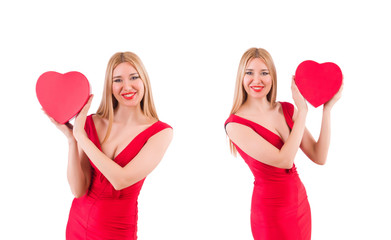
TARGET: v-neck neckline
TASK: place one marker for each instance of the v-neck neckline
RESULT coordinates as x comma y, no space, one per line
130,143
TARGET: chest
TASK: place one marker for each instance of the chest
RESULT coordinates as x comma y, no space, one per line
274,123
120,137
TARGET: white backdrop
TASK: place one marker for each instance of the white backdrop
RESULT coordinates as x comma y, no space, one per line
191,52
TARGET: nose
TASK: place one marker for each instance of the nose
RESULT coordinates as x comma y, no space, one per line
258,77
127,85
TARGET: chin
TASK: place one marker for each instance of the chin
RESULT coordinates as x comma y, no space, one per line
256,96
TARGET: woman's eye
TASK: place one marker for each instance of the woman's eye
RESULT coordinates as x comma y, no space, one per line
265,73
248,73
117,80
134,77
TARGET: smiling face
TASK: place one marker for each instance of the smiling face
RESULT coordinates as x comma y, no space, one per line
127,88
257,80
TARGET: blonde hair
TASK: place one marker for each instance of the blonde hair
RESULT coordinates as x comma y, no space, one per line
240,96
109,103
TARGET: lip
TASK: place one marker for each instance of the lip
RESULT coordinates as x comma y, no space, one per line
129,95
257,88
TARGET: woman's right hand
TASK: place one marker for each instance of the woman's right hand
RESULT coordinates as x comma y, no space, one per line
300,101
66,129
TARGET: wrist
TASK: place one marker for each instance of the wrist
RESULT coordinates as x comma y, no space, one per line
302,111
326,109
72,140
80,136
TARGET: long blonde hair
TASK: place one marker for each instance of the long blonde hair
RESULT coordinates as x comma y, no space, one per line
109,103
240,96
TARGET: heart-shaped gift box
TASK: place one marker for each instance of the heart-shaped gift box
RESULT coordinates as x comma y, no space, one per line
318,83
62,96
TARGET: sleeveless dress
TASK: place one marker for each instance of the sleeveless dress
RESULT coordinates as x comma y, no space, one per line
103,212
279,207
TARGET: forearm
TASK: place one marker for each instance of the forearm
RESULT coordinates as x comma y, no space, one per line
111,170
292,144
321,147
77,178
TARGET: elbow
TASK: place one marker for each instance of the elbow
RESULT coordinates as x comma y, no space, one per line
125,183
118,187
320,161
120,184
78,191
319,157
284,162
79,194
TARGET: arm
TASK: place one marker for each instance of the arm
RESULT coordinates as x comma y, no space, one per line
141,165
137,169
260,149
79,168
317,150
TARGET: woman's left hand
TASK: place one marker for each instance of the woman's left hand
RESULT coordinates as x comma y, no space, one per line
328,105
80,120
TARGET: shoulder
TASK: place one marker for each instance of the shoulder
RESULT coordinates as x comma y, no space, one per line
230,119
288,108
163,125
97,120
90,121
161,138
234,120
161,130
238,127
233,128
287,105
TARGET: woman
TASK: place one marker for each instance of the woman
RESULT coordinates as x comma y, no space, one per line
111,153
267,134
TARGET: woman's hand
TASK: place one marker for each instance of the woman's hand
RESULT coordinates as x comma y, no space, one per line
80,120
64,128
329,105
300,102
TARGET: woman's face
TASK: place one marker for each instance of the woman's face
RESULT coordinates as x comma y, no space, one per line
128,88
257,80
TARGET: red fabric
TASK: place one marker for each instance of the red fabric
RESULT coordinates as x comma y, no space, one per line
103,212
279,208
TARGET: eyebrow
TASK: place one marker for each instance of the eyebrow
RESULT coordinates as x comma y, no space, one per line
250,69
129,75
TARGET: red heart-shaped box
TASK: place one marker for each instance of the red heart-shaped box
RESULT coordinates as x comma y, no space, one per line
62,96
318,83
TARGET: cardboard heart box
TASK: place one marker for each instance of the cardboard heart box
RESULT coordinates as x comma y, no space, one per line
62,96
318,83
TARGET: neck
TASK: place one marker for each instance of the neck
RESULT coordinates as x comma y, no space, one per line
125,115
258,104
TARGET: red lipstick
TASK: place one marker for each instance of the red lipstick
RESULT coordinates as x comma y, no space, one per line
128,96
257,88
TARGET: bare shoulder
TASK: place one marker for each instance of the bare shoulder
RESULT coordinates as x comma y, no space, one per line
159,142
99,122
164,135
237,131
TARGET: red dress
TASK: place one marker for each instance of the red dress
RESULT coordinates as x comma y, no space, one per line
103,212
279,207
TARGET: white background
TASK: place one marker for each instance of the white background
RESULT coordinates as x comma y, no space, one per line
191,52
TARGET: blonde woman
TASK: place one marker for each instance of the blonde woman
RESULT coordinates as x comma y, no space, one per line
112,151
267,134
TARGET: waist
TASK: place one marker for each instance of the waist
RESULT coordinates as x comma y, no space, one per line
106,191
277,191
267,178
